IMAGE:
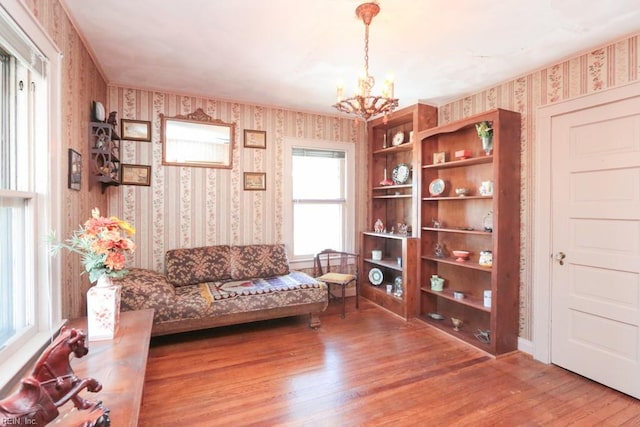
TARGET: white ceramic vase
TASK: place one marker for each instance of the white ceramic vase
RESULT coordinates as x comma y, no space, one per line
103,309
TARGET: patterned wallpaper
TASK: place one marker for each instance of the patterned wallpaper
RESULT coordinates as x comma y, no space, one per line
191,206
604,67
81,84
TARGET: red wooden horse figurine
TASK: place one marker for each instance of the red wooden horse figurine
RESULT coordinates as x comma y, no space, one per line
52,384
54,372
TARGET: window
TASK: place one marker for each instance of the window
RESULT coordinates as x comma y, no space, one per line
319,198
28,143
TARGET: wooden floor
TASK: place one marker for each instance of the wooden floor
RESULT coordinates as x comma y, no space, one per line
370,369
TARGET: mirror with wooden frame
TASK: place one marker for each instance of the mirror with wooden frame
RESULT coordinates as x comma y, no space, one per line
198,140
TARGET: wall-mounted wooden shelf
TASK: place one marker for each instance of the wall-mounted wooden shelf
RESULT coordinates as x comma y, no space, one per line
104,146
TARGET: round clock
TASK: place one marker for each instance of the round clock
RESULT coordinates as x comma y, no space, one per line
398,138
436,187
400,174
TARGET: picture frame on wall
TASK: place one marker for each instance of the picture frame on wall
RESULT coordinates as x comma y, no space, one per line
135,130
136,175
75,170
255,138
255,181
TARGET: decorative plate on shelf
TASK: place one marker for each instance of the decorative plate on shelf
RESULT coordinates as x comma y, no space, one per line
375,276
398,138
98,111
400,174
436,187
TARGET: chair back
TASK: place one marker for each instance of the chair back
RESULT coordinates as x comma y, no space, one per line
332,261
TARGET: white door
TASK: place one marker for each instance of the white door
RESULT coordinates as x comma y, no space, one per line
595,289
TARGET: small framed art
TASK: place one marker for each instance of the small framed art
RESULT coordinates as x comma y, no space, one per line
255,138
136,130
136,175
439,157
75,169
255,181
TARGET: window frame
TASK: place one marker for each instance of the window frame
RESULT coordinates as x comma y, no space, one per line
20,32
349,219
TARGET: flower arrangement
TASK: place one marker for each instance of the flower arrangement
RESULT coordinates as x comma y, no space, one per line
102,245
484,129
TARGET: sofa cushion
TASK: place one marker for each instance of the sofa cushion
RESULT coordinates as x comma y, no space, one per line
197,265
252,261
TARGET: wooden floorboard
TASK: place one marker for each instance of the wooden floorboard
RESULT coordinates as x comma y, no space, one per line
369,369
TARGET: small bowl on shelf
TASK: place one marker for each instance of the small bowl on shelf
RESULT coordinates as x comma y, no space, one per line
461,192
460,255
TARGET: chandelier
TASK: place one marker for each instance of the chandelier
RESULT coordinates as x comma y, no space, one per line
363,104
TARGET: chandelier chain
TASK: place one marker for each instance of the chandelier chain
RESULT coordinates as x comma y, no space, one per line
366,50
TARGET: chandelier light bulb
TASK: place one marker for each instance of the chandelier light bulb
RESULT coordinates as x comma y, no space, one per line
340,87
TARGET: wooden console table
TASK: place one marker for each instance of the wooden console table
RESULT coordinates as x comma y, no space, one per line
119,364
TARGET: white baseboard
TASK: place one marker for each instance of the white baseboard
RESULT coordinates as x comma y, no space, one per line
525,346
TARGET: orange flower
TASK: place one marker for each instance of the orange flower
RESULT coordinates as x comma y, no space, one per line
114,261
102,246
126,244
95,226
110,234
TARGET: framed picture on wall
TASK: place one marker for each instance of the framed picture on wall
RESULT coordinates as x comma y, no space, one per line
255,138
136,175
135,130
75,169
255,181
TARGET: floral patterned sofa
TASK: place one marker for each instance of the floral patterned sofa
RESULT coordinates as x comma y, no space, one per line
221,285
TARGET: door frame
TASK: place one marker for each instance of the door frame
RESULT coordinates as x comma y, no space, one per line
542,213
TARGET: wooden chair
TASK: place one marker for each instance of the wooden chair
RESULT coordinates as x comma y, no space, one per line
337,268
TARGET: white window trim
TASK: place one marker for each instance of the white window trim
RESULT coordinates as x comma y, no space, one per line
287,190
47,196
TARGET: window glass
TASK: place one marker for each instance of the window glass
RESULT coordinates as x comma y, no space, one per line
317,227
319,184
15,312
318,174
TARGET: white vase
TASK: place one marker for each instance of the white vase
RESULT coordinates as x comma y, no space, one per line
103,309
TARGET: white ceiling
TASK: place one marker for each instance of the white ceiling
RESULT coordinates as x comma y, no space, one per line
291,53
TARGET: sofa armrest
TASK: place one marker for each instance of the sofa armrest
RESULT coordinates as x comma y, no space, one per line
146,289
